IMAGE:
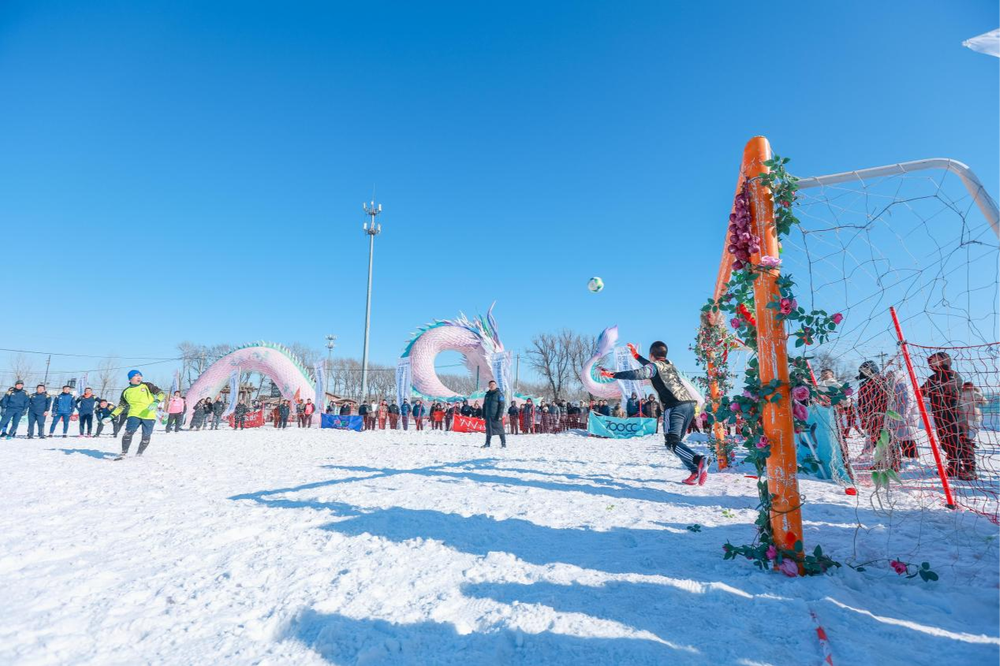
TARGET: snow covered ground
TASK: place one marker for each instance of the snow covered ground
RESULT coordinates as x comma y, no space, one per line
315,547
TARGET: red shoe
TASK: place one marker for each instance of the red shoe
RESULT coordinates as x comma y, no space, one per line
702,471
691,480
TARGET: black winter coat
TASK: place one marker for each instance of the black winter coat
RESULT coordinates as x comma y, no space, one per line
493,405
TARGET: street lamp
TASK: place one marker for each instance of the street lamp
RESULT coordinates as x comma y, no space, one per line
331,342
373,230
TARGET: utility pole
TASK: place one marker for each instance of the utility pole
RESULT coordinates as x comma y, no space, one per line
373,230
517,373
331,342
46,380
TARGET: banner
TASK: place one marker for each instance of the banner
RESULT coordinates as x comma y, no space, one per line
625,361
252,420
468,424
608,426
81,383
403,380
341,422
234,392
320,399
500,367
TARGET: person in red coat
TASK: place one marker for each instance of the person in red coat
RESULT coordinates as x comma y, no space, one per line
873,401
943,390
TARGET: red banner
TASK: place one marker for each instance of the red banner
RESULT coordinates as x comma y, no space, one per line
468,424
252,420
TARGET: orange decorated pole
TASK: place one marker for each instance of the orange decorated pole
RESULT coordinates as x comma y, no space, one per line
718,430
772,352
772,357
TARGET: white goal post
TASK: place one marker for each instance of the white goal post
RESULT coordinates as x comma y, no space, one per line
969,179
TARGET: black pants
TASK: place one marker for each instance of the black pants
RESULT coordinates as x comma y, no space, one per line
175,421
239,422
36,420
284,421
100,427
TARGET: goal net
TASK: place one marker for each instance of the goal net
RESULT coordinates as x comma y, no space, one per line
919,434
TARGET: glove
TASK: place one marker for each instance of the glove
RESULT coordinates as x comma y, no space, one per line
606,374
635,352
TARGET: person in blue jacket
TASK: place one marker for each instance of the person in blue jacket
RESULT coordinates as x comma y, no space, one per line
632,406
62,408
404,411
39,405
15,402
418,415
103,415
85,405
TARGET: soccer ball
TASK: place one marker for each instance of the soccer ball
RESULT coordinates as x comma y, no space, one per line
595,284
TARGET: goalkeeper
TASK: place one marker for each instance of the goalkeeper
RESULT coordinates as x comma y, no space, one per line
140,398
676,399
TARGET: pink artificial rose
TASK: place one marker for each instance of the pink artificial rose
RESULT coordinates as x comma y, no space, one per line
772,552
734,322
837,318
786,306
848,391
767,261
735,406
789,567
761,443
800,393
898,567
799,411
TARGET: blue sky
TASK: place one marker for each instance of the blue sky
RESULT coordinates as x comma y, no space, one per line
191,170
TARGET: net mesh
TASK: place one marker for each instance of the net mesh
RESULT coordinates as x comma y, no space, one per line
917,242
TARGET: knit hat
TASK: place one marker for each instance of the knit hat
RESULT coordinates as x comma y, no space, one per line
868,369
133,373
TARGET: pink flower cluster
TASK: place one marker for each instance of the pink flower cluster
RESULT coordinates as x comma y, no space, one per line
767,261
786,305
742,241
899,567
800,396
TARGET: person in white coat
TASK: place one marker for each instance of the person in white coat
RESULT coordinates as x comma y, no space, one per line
903,402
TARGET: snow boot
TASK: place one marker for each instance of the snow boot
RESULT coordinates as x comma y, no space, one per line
700,475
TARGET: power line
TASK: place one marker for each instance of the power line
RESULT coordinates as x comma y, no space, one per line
134,358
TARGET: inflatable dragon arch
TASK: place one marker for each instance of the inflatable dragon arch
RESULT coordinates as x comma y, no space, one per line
270,359
611,389
477,340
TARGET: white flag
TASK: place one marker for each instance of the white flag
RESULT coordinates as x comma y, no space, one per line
988,43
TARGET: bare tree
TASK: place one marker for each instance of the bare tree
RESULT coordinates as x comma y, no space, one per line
195,358
345,377
557,357
309,356
21,366
462,384
823,359
106,371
